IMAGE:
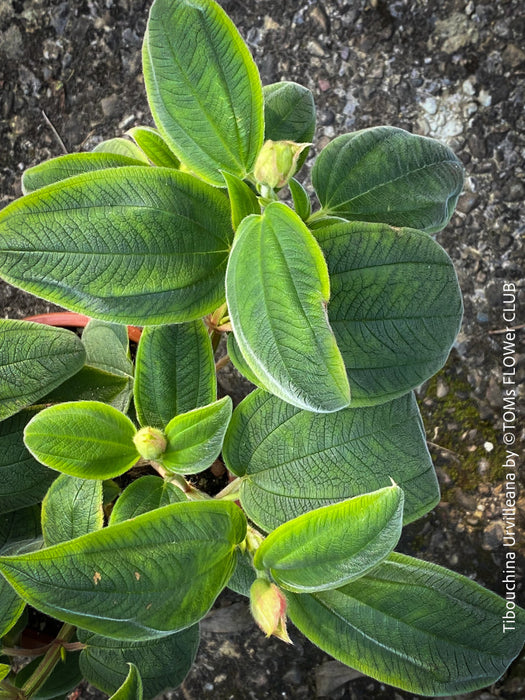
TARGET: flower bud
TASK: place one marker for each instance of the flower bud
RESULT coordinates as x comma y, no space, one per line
277,162
151,443
268,607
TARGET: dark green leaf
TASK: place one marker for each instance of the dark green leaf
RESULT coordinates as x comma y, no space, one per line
414,625
243,200
144,494
91,384
131,689
64,677
11,607
60,168
175,372
154,146
23,480
301,200
141,579
122,147
72,507
244,575
87,439
277,288
195,438
294,461
395,309
33,360
389,176
333,545
131,245
162,663
203,87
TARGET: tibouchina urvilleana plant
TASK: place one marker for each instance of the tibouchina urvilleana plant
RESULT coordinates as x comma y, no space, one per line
335,314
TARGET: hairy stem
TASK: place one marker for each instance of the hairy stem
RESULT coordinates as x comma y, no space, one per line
48,663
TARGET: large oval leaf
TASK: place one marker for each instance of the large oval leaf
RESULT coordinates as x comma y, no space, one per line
163,663
277,287
294,461
414,625
141,579
87,439
333,545
395,309
203,87
175,372
131,245
33,360
388,175
142,495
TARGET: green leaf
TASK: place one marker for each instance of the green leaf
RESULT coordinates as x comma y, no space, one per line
4,671
238,360
395,309
11,607
122,147
131,689
277,287
34,359
335,544
141,579
60,168
243,200
203,88
414,625
289,114
244,574
301,200
195,438
23,480
162,663
175,372
154,146
389,176
87,439
294,461
72,507
63,678
144,494
131,245
91,384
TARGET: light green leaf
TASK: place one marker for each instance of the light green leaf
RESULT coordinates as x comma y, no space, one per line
144,494
238,360
130,245
243,200
195,438
162,663
23,480
388,175
294,461
301,200
87,439
4,671
395,309
335,544
141,579
289,114
154,146
414,625
60,168
175,372
203,87
34,359
72,508
131,689
122,147
277,288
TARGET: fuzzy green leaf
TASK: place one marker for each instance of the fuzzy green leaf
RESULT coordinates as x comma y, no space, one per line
301,200
238,360
175,372
122,147
33,360
154,146
65,676
333,545
388,175
131,689
277,287
294,461
141,579
130,245
243,200
414,625
87,439
396,306
203,88
145,494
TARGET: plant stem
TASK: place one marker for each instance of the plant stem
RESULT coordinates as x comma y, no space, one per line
48,663
230,492
222,362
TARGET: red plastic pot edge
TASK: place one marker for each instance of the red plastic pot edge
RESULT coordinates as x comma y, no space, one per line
69,319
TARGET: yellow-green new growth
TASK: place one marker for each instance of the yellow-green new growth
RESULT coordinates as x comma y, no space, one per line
277,162
151,443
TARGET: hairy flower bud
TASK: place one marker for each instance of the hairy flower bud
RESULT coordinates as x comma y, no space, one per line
268,607
151,443
277,162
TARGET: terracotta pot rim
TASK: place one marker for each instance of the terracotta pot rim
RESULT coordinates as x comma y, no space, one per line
70,319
